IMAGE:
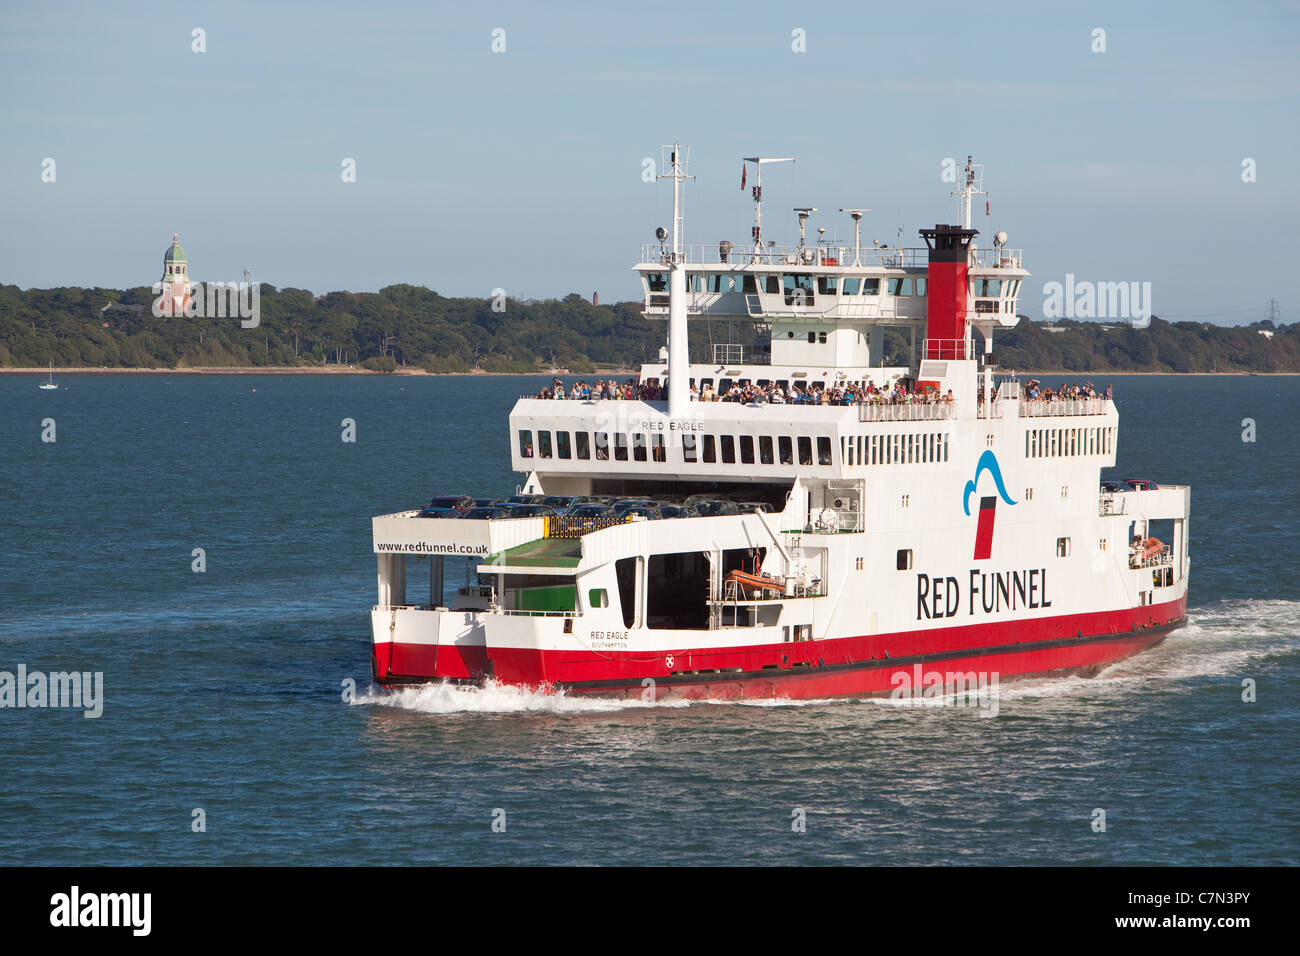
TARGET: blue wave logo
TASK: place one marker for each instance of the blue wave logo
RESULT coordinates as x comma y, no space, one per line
988,462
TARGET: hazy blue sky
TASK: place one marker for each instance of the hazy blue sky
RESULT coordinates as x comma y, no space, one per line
522,169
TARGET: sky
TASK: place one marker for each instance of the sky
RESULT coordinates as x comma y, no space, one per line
522,169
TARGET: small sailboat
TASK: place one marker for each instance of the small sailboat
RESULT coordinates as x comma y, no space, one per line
48,386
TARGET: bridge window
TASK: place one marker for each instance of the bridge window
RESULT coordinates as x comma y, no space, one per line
823,450
728,450
749,283
562,445
871,287
657,281
920,287
805,450
584,445
785,446
713,283
688,448
798,289
765,449
746,449
620,446
525,443
710,450
694,282
602,446
772,284
826,284
657,451
638,446
544,444
851,285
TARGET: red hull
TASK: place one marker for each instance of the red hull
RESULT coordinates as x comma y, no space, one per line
839,667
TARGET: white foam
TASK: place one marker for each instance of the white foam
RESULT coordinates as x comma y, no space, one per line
493,698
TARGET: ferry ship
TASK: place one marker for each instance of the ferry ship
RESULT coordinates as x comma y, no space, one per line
941,517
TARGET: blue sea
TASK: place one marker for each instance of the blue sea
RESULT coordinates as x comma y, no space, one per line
226,738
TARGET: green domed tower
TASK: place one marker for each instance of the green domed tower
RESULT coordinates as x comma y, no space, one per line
176,279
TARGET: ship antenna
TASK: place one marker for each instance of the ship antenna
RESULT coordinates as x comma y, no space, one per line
758,162
674,162
971,187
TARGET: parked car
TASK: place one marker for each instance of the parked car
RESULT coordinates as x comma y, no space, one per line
525,500
649,512
676,511
530,511
1141,484
713,507
458,503
489,511
624,504
438,513
486,502
561,503
1109,484
749,507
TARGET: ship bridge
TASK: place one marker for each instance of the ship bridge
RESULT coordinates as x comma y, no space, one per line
831,302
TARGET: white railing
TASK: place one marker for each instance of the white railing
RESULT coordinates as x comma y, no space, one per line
1112,504
950,349
791,257
797,257
1037,408
906,413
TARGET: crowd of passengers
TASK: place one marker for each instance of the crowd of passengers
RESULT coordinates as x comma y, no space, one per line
748,393
1036,391
774,393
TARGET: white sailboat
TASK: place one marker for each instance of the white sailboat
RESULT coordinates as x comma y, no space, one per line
49,386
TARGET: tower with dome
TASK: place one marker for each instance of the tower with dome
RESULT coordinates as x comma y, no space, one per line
175,279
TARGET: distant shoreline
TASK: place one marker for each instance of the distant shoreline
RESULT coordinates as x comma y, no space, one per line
338,370
297,370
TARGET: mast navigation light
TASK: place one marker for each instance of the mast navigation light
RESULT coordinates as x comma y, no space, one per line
758,162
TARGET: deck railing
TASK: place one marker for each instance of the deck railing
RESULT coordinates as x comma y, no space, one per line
906,413
1036,408
796,257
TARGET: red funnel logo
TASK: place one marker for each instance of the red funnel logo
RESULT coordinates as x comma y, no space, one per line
984,530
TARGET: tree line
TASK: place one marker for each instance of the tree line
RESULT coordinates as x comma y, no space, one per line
405,325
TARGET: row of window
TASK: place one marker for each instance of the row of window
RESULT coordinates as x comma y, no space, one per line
910,449
1067,442
801,286
710,449
896,449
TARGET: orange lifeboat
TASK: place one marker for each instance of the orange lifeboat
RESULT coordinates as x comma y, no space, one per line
755,582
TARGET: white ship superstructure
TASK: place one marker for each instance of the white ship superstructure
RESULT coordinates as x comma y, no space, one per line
930,512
